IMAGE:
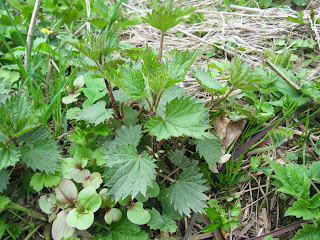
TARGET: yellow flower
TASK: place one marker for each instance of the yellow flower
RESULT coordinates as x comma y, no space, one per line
46,31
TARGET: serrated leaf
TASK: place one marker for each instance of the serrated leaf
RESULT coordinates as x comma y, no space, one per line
40,180
4,179
40,132
130,116
211,151
9,156
179,64
308,232
43,155
19,106
4,202
164,17
164,223
242,76
300,208
129,172
183,116
96,113
292,183
95,88
128,135
315,201
186,193
315,171
123,230
278,136
132,81
206,81
178,158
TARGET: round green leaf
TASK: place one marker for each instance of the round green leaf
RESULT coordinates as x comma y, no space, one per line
137,215
79,175
66,167
47,203
89,199
154,190
60,228
94,180
66,192
80,220
141,198
113,215
125,201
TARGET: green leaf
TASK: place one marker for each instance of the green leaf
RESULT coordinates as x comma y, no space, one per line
315,171
137,215
186,193
315,201
80,220
128,135
39,132
308,232
210,150
183,116
4,179
179,64
242,76
292,183
129,172
164,17
95,88
97,113
278,136
164,223
206,81
132,81
60,227
9,156
3,202
19,106
40,180
123,230
43,155
89,199
112,215
179,159
300,208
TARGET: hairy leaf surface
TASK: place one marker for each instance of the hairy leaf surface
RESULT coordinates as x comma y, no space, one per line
164,223
9,155
186,193
43,155
4,179
183,116
129,172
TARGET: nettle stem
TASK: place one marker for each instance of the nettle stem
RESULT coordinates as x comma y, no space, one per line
161,46
113,101
230,90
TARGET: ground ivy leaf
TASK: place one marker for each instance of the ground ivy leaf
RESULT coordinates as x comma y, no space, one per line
43,155
186,193
129,172
123,230
292,183
4,179
40,180
210,150
9,155
183,116
300,208
164,223
128,135
97,113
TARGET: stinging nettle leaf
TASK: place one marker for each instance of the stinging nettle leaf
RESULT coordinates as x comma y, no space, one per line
9,155
164,223
4,179
43,155
186,193
183,116
128,135
278,136
210,150
206,81
129,172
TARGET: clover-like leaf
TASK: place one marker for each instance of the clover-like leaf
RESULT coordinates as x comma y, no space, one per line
40,180
137,215
47,203
183,116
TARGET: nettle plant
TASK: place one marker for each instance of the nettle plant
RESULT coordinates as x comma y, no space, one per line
138,139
